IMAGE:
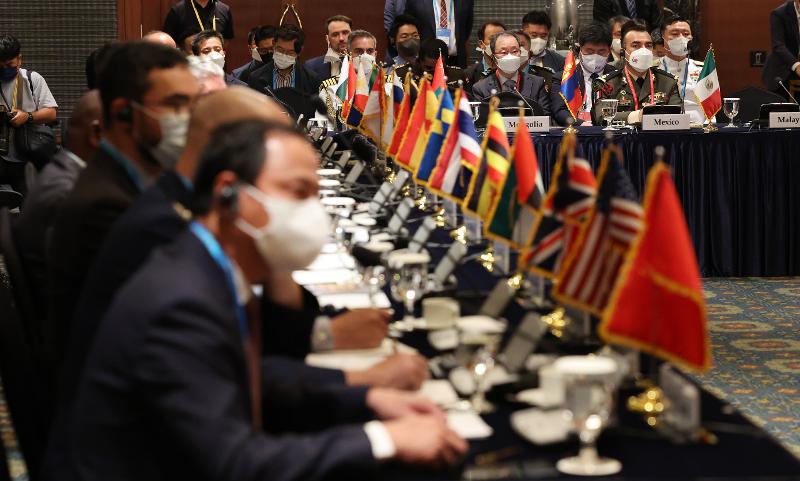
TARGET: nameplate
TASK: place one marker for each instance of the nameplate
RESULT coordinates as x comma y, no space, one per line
784,120
666,122
535,124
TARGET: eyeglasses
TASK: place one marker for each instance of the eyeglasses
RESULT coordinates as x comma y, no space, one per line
503,53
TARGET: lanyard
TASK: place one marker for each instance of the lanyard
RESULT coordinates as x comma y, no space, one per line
451,18
685,75
213,17
14,95
633,90
216,253
124,162
275,78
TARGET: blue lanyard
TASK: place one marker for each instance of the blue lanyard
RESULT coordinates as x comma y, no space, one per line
216,253
124,162
685,75
275,78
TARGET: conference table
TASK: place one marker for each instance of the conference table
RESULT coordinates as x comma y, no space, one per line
738,186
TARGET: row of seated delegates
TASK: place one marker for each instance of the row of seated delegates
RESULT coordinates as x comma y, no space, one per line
262,46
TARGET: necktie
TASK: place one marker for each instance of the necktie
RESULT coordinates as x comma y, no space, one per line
632,8
443,13
510,85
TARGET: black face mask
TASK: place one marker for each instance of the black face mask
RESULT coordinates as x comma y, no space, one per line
409,48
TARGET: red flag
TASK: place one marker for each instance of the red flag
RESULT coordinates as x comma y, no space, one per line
401,123
415,129
657,304
438,85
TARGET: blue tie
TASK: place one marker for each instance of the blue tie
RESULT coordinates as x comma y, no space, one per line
632,8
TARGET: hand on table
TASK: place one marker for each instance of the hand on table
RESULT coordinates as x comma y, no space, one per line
360,328
400,371
425,440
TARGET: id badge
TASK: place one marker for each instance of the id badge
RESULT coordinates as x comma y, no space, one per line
443,34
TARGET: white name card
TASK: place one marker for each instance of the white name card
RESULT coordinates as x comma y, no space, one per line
666,122
535,124
784,120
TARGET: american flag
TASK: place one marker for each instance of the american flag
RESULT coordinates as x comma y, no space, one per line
593,263
566,205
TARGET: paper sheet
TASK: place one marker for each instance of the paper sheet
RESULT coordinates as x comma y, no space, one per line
356,359
468,425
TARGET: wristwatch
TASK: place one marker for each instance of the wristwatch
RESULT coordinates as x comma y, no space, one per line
30,118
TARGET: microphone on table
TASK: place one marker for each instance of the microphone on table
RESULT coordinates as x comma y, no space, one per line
780,82
289,110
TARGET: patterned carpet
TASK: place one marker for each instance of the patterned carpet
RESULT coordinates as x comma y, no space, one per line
754,325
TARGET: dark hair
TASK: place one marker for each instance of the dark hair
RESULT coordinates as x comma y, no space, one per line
432,48
399,21
632,26
497,36
264,32
492,23
537,17
670,20
291,32
9,47
124,70
658,39
594,33
202,37
522,33
621,19
94,61
237,147
338,18
251,35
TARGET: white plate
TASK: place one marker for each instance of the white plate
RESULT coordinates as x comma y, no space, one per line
541,427
338,201
536,397
480,325
328,172
365,221
328,183
468,425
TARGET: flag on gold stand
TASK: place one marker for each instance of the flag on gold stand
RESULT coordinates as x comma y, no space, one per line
401,122
486,182
657,304
438,131
415,135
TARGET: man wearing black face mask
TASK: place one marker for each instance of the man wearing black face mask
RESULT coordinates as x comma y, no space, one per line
146,91
429,53
404,36
261,52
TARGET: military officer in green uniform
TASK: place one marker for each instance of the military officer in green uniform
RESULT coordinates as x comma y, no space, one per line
429,53
637,84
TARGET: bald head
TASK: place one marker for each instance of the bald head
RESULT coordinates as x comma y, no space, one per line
83,131
157,36
224,107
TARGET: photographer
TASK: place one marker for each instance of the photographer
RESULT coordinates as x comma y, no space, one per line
26,99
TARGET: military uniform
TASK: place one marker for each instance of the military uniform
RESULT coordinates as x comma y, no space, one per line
687,81
454,76
615,86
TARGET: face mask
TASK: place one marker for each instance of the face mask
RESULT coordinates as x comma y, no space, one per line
295,234
173,136
255,55
409,48
537,46
594,63
524,54
486,50
8,73
283,61
641,60
616,45
217,58
509,64
366,61
679,46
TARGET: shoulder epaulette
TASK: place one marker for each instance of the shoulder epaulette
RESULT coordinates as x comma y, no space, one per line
330,82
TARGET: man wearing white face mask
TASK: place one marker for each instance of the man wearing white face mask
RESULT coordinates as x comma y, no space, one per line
209,46
616,23
484,67
363,47
507,77
638,84
677,34
183,328
537,25
284,69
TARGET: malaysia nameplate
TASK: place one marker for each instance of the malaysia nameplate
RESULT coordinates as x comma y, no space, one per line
534,123
666,122
784,120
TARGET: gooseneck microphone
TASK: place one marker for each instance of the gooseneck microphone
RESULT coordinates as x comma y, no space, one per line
780,82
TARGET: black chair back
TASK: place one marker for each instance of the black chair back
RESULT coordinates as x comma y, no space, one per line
751,100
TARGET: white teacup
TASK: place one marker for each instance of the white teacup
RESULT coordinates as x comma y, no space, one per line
440,312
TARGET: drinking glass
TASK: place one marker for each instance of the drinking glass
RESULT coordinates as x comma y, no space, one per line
589,382
409,279
608,109
731,108
479,351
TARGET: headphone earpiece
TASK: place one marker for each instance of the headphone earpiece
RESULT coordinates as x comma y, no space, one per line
229,198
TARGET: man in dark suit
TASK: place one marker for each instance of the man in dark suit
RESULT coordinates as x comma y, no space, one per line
507,77
537,25
429,52
264,39
337,28
284,71
646,10
52,185
448,20
146,90
484,67
173,374
784,60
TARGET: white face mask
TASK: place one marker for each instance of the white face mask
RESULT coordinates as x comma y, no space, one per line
593,63
641,60
255,55
509,64
616,45
524,54
217,58
283,61
679,46
366,61
537,46
174,127
294,235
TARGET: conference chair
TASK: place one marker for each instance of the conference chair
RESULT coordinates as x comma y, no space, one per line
751,100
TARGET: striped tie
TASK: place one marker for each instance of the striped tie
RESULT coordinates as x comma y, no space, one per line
632,8
443,13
